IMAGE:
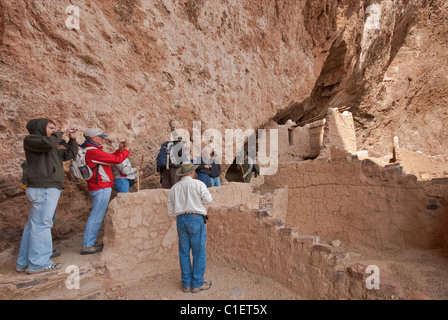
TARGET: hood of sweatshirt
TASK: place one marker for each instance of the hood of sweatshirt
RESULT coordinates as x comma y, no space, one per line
38,126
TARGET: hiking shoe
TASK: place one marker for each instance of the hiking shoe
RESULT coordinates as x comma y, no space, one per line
207,285
186,289
53,267
55,254
93,249
21,269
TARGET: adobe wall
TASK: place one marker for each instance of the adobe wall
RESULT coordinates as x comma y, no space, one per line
424,167
303,263
318,138
339,133
140,240
362,202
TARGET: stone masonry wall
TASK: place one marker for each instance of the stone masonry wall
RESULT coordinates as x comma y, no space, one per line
140,240
339,133
362,202
424,167
301,262
139,236
336,132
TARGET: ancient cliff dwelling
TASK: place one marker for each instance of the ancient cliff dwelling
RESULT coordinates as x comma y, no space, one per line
348,98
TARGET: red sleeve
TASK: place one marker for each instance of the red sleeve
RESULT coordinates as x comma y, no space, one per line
98,156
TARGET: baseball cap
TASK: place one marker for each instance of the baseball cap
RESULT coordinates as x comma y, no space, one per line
94,132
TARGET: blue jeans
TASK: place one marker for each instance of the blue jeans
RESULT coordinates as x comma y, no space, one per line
215,182
36,245
99,207
192,237
204,177
122,185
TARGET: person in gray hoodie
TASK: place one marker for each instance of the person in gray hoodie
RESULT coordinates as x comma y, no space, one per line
45,178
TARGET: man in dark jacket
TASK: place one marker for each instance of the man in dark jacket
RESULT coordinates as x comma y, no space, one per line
203,170
215,170
45,178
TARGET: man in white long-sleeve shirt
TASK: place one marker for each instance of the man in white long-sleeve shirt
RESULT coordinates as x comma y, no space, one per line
186,202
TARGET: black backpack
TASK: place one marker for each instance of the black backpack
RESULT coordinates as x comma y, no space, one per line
163,157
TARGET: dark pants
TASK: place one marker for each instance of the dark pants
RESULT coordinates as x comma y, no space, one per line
248,178
204,177
168,177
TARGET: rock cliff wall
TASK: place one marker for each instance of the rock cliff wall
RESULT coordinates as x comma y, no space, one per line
139,69
388,68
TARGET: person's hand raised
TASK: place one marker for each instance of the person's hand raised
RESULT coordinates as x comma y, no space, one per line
127,144
124,145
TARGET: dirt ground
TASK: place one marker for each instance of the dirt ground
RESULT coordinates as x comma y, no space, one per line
423,272
228,283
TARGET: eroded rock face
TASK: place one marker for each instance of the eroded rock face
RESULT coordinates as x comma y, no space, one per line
388,68
139,69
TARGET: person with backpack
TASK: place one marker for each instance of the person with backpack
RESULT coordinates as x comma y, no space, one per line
100,183
169,159
44,178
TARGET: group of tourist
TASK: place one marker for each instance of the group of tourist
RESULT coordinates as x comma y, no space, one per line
44,182
45,152
208,171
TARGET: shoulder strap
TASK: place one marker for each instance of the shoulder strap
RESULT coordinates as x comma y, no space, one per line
97,167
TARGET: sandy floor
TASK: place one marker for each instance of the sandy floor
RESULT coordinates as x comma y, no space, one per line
425,272
227,284
419,270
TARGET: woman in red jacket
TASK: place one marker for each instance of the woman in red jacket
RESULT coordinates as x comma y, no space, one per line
100,185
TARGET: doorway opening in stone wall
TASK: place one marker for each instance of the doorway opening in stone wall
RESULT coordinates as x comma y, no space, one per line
234,174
